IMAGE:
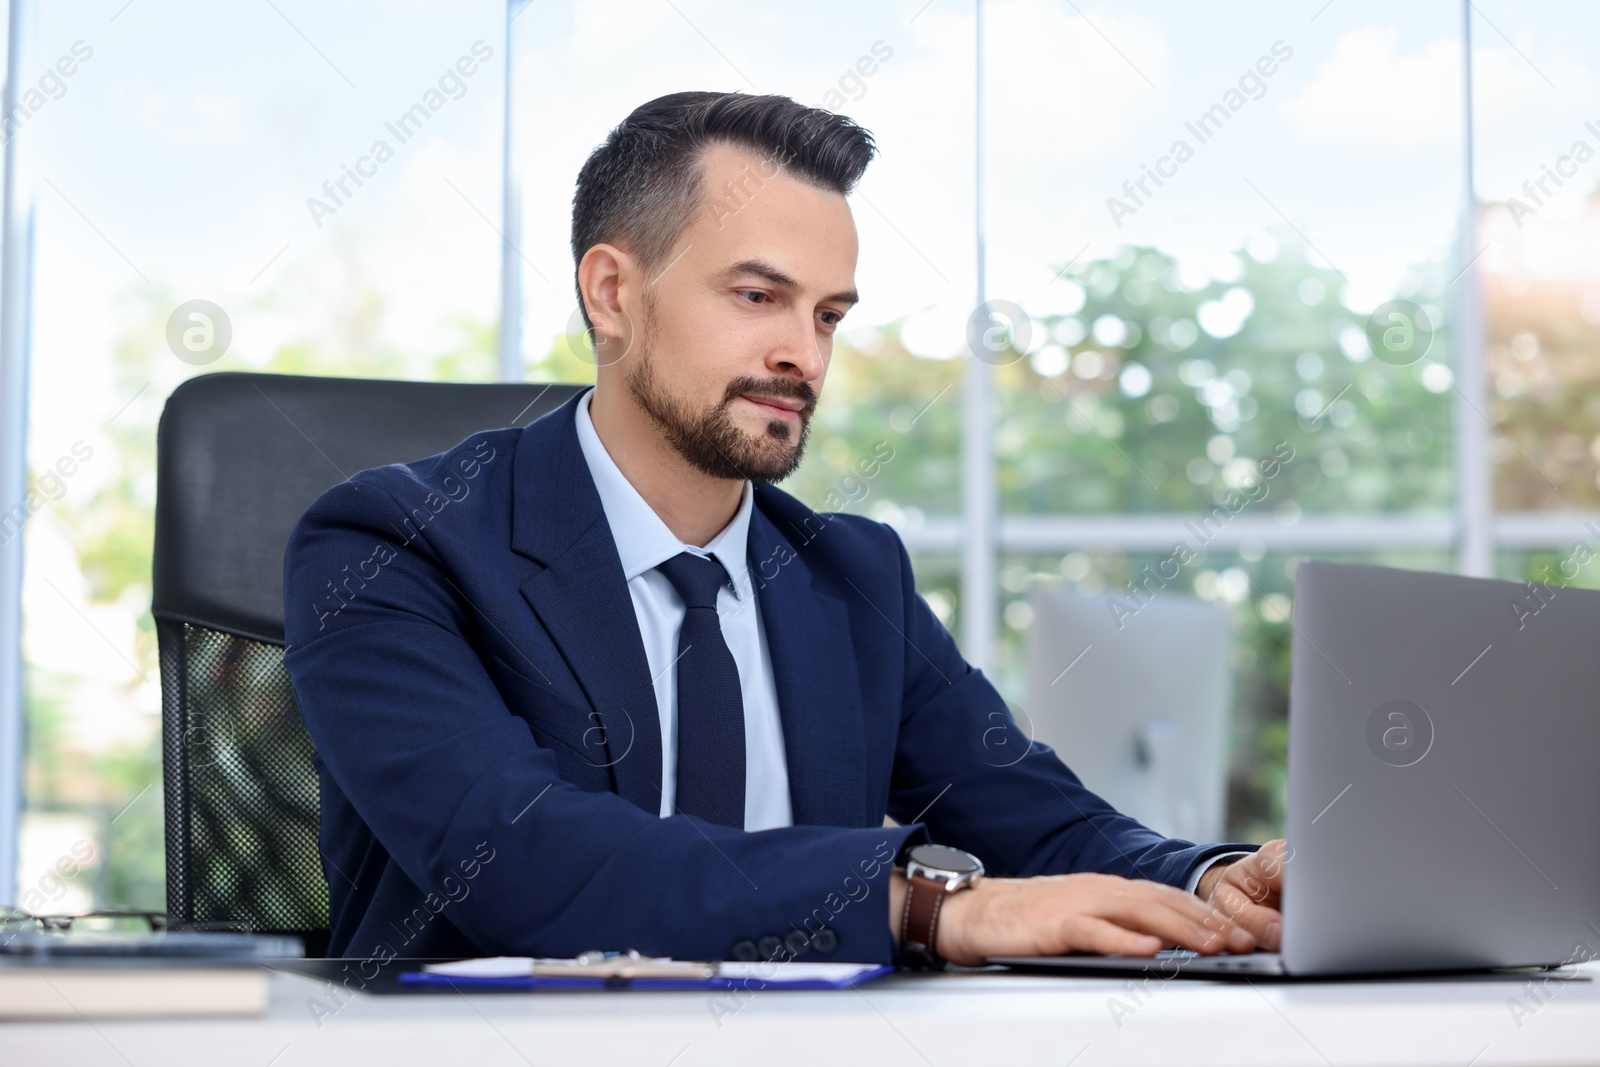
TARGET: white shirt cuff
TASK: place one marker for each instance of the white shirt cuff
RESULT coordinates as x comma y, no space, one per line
1205,865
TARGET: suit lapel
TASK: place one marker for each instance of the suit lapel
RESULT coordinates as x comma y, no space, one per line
819,691
582,599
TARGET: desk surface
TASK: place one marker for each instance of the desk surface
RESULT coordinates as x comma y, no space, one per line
918,1020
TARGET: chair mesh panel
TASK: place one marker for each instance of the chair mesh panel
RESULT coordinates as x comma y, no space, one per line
241,790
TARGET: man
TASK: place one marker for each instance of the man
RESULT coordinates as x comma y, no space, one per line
598,684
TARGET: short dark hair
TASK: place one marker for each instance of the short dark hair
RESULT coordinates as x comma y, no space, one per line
642,185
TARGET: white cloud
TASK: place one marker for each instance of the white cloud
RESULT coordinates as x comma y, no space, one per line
1071,96
1064,86
1372,96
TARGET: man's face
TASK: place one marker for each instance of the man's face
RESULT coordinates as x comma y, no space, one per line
738,325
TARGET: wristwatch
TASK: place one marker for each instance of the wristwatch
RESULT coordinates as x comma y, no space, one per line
933,872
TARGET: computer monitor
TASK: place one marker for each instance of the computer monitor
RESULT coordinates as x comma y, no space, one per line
1135,696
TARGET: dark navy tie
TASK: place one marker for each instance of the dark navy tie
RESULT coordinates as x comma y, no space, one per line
710,771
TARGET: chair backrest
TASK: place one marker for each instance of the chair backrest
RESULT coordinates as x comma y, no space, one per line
239,459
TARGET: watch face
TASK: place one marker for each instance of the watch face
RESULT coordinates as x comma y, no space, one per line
944,858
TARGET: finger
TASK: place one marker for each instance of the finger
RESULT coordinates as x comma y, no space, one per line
1085,933
1264,923
1234,936
1245,877
1260,875
1274,855
1179,919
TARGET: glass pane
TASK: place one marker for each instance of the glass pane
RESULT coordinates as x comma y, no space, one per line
1553,566
329,183
1537,137
1195,226
1258,593
907,80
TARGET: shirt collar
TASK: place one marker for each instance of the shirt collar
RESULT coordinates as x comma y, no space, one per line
643,540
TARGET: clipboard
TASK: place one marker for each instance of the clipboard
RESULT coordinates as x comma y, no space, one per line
621,971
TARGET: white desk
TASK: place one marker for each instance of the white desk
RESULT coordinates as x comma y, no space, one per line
951,1020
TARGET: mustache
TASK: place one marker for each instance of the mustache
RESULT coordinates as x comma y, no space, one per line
783,388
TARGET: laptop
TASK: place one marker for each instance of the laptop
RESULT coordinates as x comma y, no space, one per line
1443,805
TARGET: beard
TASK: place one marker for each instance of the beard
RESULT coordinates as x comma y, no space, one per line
710,440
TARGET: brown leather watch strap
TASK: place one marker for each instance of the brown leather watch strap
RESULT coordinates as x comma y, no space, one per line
919,923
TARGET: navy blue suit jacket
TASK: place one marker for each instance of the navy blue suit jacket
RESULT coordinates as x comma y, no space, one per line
465,654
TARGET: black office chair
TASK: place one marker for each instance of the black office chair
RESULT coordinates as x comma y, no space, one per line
239,458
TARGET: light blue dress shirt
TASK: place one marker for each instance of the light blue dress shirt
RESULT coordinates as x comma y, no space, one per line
643,541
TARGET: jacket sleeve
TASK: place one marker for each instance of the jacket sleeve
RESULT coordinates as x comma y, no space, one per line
966,769
412,729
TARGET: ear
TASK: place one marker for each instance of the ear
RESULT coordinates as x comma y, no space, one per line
604,273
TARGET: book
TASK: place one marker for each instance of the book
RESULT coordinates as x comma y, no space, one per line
161,944
129,988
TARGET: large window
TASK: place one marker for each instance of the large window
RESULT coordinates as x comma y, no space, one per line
1200,243
229,155
1213,228
1538,175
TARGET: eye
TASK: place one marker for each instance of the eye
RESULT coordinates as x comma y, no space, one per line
755,293
831,318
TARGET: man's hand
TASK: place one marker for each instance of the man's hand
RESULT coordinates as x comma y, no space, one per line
1248,892
1052,915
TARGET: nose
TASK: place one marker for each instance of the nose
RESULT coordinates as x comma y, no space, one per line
799,354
